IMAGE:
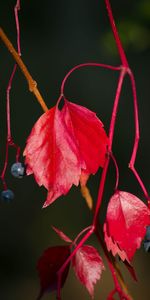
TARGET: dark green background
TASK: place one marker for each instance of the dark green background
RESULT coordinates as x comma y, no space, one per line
55,36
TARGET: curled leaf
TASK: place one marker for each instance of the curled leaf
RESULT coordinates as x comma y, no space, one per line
125,226
88,267
48,265
62,145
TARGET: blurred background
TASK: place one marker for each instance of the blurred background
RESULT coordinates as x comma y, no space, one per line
56,36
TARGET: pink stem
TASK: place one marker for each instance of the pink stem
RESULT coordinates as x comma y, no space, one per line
9,141
90,64
136,119
137,136
9,137
2,176
125,63
67,261
16,9
117,170
81,233
111,134
116,35
111,294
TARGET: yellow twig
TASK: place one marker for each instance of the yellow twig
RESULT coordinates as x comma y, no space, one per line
32,83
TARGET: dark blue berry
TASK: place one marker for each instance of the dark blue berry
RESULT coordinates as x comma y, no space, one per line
18,170
147,245
7,195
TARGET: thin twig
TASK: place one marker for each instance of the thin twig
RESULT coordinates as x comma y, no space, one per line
32,83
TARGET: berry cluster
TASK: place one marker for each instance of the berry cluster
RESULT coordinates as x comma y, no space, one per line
18,171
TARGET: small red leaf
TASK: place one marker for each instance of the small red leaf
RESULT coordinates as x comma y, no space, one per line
125,226
88,267
62,235
49,264
62,145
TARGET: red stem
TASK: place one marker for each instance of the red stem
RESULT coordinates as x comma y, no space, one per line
137,136
136,119
81,233
103,177
124,70
67,261
116,35
2,176
117,170
90,64
9,140
111,134
9,137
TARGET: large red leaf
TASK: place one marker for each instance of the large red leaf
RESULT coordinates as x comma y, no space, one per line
125,225
48,265
88,267
62,145
89,134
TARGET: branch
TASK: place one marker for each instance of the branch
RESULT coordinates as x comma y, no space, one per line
116,35
32,83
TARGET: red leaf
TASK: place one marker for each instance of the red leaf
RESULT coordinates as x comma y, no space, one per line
125,226
63,236
112,245
49,264
89,133
88,267
60,148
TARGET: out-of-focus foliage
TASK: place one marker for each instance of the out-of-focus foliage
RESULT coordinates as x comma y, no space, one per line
134,30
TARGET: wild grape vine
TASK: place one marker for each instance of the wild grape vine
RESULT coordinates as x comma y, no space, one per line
58,153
